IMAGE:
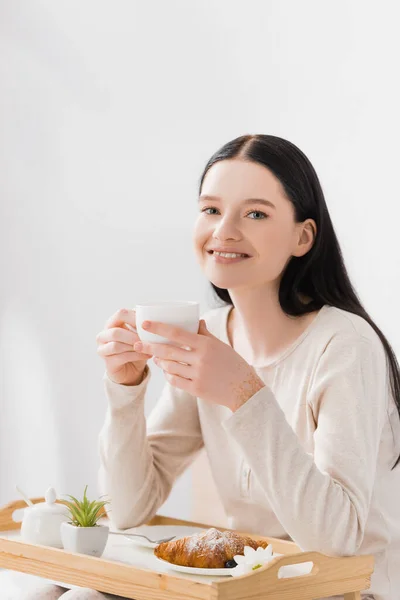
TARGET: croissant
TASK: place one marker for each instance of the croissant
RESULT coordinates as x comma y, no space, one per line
211,549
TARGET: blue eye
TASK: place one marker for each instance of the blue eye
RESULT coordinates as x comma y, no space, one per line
252,212
257,212
209,208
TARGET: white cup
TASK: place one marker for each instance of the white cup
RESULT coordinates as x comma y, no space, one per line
185,315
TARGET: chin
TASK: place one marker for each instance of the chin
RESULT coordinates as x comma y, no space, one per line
224,283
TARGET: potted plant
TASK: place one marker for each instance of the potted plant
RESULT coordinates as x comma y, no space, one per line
82,533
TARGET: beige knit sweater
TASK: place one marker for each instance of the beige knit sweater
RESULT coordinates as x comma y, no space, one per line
307,458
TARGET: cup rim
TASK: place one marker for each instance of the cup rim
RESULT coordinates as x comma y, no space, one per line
165,304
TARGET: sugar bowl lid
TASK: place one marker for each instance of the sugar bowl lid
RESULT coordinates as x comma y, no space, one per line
49,507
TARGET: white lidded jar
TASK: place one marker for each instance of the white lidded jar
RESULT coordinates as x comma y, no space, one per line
41,523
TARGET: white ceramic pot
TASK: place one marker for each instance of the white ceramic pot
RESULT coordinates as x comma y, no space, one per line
84,540
41,522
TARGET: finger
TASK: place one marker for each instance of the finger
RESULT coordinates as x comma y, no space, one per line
173,368
117,334
121,317
180,383
113,348
118,360
173,333
203,329
165,351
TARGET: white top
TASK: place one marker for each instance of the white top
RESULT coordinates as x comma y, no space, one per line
307,458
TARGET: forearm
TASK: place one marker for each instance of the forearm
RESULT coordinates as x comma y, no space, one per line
318,512
141,461
321,499
127,474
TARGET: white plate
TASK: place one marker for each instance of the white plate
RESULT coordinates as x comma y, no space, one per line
286,571
195,570
156,532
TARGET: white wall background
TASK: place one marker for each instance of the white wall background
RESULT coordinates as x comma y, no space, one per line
108,113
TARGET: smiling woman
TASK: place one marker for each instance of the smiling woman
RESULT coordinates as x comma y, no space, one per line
290,378
237,218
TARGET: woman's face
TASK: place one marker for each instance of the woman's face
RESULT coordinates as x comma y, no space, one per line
243,209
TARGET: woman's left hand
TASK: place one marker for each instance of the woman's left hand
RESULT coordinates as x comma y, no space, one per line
210,369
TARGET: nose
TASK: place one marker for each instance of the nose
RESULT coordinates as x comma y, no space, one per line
226,230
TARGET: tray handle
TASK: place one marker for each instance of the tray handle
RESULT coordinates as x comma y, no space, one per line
329,576
7,521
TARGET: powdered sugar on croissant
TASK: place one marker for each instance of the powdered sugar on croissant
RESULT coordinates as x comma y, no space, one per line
211,549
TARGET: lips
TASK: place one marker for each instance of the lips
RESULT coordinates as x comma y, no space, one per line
228,260
229,252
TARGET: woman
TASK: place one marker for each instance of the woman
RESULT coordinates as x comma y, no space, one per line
290,386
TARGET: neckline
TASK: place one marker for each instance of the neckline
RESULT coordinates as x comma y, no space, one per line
289,349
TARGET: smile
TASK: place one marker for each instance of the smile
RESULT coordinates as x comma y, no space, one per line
228,257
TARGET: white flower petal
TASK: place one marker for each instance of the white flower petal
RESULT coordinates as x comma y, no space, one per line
266,553
240,570
251,558
240,559
249,551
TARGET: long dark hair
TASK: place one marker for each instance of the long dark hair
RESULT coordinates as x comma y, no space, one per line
321,273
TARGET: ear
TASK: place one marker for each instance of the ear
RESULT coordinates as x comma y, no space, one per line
305,237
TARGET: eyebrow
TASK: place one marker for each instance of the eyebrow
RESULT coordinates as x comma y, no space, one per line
245,202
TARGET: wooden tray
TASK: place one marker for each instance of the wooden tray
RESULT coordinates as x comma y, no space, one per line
329,576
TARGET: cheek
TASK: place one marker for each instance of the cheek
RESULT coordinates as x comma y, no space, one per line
276,248
200,235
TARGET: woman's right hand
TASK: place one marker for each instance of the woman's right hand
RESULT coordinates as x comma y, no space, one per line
115,345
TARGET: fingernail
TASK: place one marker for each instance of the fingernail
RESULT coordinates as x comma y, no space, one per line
146,324
138,346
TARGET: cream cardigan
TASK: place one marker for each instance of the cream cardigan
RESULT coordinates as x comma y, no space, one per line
307,458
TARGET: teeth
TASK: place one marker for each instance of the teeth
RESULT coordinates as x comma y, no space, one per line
229,255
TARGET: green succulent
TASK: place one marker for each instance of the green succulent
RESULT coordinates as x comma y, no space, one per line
84,513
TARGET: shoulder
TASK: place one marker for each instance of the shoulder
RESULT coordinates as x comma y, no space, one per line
342,328
350,363
343,338
215,319
350,324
